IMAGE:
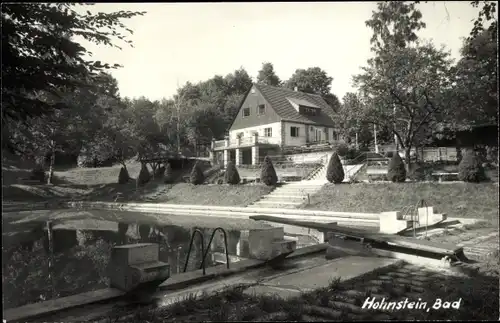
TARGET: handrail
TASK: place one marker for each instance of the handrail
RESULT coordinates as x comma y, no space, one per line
204,251
210,242
415,216
323,161
191,245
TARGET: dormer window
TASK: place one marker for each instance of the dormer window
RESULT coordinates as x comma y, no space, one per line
308,111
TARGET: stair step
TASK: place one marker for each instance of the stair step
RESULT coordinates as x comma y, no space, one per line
277,202
284,196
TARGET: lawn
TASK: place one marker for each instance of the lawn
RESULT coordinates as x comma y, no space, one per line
455,199
342,300
100,184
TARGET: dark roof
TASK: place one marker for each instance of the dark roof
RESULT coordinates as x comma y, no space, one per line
278,99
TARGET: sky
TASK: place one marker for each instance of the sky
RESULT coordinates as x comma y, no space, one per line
179,42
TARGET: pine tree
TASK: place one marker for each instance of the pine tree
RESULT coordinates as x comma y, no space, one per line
397,171
268,173
335,172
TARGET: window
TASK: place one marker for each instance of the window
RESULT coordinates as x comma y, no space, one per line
326,134
309,111
268,132
294,131
261,109
246,112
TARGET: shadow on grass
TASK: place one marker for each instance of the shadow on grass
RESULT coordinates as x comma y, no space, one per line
478,295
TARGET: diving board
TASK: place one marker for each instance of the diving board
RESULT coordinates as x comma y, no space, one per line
405,242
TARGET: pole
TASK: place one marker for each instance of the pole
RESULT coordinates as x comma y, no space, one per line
375,137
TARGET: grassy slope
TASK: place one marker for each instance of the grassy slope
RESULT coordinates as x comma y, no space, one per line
454,199
101,184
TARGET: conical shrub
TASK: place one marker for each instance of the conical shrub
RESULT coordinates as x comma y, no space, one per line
123,176
268,173
144,176
169,175
335,171
231,176
197,177
396,172
470,168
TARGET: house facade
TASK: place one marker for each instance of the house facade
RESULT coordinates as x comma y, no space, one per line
271,118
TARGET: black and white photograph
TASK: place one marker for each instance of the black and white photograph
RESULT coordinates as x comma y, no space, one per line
250,161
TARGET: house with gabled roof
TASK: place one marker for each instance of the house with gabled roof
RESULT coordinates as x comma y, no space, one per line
272,118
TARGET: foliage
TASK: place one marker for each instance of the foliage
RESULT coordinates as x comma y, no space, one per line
335,171
267,75
475,90
123,176
470,168
197,177
169,174
404,91
41,54
394,24
396,171
341,149
231,176
268,173
144,176
38,173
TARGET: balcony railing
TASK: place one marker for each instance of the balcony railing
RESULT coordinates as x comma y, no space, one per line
246,141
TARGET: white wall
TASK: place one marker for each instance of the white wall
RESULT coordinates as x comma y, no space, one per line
294,141
247,132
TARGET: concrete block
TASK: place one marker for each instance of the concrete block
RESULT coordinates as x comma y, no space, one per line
427,216
134,265
392,222
269,243
132,254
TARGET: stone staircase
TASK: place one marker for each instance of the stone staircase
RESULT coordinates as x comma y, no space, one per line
292,195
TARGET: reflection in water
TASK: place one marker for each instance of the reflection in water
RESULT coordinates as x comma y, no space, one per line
81,250
80,255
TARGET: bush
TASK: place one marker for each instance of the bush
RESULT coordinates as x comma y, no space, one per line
197,177
470,168
342,149
123,176
268,173
420,172
169,174
144,175
160,172
38,174
231,176
335,171
397,171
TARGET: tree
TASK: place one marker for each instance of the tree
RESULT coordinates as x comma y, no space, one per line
404,87
144,176
40,53
197,177
404,20
231,176
267,75
396,171
123,176
335,171
312,80
474,91
169,174
470,168
268,173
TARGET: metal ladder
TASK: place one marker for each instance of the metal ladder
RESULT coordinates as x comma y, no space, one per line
205,251
412,210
